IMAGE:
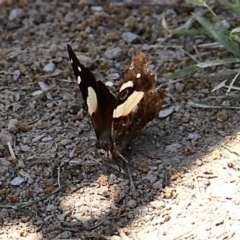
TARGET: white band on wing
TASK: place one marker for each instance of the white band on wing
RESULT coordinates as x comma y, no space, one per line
91,101
129,105
126,85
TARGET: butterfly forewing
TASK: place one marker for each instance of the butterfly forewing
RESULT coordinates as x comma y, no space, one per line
99,100
84,76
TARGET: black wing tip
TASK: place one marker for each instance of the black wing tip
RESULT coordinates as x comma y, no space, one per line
69,47
70,51
73,58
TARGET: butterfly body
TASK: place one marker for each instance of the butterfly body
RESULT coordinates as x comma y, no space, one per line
119,119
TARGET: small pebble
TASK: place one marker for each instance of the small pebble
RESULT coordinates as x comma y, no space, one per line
174,147
143,210
25,148
17,181
47,218
37,138
193,136
15,13
61,217
131,203
97,8
49,67
199,162
51,208
151,178
157,185
130,37
13,126
47,139
109,84
65,142
87,61
113,53
146,47
16,75
166,112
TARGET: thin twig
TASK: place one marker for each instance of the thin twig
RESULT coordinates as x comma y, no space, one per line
11,150
233,87
58,177
212,45
198,105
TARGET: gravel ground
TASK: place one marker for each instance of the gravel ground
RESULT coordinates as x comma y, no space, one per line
185,165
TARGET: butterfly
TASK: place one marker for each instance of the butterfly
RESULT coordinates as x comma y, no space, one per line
118,119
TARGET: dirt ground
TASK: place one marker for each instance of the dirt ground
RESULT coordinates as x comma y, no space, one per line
185,165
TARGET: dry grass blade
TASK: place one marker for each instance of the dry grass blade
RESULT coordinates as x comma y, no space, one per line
202,3
232,82
221,35
198,105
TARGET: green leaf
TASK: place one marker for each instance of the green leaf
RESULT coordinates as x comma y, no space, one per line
235,31
190,70
235,34
187,71
185,31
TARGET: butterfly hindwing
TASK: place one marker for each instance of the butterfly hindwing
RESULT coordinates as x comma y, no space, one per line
137,81
138,102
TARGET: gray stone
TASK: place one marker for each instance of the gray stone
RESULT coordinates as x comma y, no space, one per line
49,67
47,139
13,126
51,208
130,37
17,181
131,203
113,53
157,185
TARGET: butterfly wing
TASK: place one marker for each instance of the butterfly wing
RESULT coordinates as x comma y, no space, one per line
138,102
99,100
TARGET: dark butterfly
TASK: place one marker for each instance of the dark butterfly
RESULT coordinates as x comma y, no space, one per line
119,119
